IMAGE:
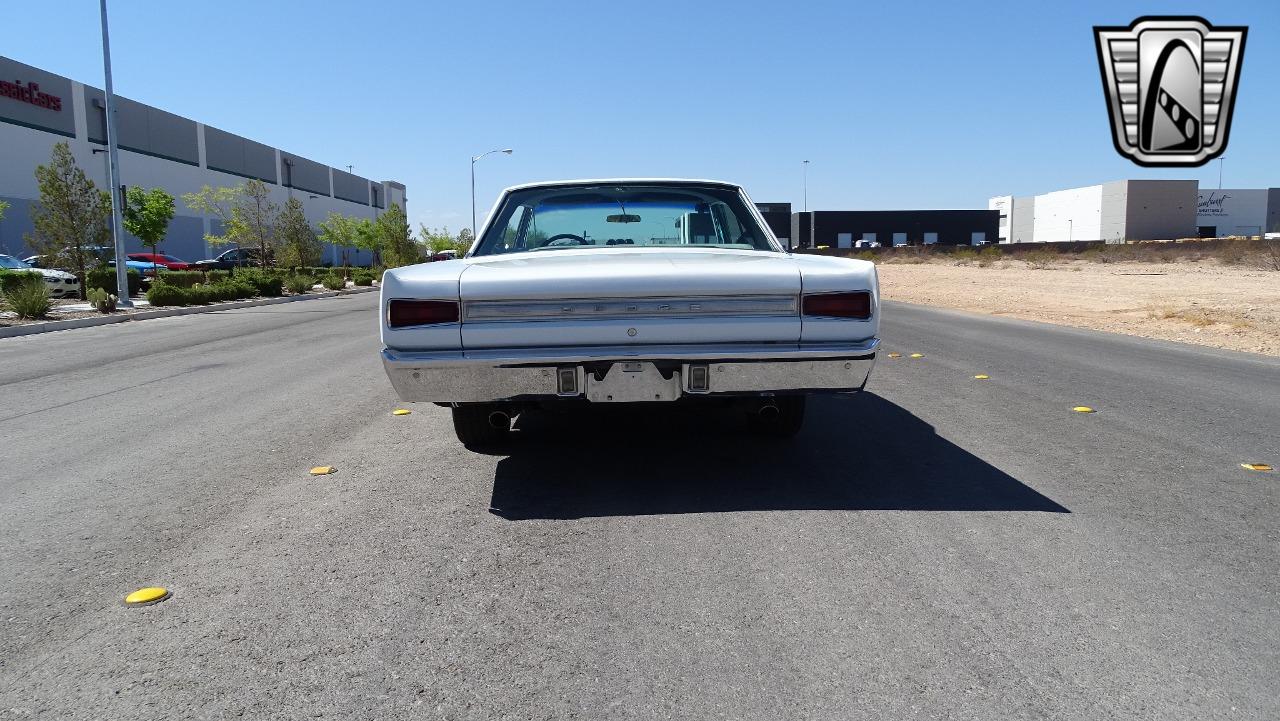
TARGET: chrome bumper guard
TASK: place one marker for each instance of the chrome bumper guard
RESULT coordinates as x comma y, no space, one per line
633,375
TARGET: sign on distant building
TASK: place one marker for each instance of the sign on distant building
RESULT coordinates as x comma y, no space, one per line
1224,213
30,93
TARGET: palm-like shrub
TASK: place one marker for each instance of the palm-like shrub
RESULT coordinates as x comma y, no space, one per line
29,300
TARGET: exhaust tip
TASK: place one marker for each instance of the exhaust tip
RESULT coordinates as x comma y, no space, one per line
768,412
500,420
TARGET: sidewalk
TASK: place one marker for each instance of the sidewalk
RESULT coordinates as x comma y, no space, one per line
143,311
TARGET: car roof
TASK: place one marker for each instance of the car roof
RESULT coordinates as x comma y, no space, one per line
620,181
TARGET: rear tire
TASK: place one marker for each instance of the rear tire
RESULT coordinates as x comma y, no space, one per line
786,423
474,428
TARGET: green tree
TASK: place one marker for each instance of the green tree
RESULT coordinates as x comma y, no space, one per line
367,238
463,241
247,215
340,230
436,240
297,242
397,244
147,214
72,219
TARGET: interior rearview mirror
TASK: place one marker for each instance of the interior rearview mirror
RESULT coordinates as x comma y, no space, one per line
623,218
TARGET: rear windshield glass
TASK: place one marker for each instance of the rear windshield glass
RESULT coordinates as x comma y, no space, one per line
549,219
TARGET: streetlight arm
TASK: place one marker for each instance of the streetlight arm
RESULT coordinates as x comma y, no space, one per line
508,151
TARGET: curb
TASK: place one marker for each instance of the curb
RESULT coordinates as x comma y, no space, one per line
55,325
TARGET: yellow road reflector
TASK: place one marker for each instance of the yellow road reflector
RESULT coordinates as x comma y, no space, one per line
895,355
982,377
401,412
322,470
1257,466
917,355
147,596
1083,409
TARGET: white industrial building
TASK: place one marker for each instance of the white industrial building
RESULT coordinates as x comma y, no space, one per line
157,149
1234,212
1115,211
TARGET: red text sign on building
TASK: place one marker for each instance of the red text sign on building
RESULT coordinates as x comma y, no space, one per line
30,93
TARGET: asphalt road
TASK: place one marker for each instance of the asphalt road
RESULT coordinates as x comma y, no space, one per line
938,547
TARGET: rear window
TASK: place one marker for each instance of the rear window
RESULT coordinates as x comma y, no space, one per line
676,216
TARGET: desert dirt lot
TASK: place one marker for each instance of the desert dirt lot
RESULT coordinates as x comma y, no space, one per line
1203,302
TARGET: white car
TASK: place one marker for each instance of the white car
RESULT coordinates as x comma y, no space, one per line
60,283
627,291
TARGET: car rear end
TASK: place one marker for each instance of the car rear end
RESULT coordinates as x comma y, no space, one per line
610,321
458,348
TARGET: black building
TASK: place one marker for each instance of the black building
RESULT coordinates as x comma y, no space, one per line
778,217
844,228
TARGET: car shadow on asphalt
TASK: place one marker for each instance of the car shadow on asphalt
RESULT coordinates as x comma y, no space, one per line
855,453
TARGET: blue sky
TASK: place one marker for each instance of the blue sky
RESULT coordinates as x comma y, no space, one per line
897,104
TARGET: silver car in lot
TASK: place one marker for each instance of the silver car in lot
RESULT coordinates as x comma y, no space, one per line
60,283
627,291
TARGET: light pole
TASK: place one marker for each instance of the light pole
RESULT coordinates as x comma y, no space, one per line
113,168
805,164
1220,159
474,158
1071,229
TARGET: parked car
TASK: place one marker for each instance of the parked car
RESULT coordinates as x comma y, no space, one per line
146,270
866,243
168,261
449,254
234,258
543,310
60,283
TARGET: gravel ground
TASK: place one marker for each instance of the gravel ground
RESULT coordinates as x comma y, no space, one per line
1202,302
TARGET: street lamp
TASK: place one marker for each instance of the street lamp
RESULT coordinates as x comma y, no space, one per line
806,186
1071,228
1220,159
113,169
474,158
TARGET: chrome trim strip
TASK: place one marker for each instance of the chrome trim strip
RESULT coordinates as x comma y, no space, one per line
617,308
583,354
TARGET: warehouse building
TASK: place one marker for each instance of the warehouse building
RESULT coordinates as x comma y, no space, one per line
1136,210
778,217
845,228
1224,213
157,149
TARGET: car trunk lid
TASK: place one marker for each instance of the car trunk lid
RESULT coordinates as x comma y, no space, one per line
633,296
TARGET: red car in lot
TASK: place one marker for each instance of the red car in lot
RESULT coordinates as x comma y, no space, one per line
168,261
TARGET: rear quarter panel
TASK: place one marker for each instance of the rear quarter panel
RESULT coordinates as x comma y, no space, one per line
825,274
425,281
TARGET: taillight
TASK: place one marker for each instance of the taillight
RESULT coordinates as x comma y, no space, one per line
402,313
839,305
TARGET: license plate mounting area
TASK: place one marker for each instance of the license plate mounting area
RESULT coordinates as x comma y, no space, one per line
633,382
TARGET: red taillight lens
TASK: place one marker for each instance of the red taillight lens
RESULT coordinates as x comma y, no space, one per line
402,313
839,305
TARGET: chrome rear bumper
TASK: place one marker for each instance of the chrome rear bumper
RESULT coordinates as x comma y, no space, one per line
627,373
